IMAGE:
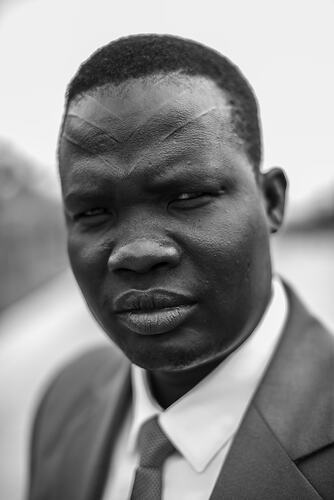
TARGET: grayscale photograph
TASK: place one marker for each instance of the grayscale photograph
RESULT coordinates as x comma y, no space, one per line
167,250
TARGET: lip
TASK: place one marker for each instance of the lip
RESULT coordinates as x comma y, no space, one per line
152,312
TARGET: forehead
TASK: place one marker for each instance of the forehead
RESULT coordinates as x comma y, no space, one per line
158,93
161,117
162,104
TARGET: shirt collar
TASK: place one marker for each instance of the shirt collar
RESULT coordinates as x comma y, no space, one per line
220,399
144,405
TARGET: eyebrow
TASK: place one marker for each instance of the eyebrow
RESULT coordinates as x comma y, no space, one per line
170,166
75,196
162,180
175,169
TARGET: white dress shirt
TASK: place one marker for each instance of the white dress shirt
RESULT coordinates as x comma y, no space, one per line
203,423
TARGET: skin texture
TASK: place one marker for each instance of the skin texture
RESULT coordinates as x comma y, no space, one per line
159,194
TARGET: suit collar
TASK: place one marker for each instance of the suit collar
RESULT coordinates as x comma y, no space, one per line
89,440
296,397
257,466
290,417
105,422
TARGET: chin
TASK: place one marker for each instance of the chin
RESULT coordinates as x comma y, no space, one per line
168,360
178,351
159,363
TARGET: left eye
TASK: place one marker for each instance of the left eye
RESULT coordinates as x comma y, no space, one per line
189,196
195,199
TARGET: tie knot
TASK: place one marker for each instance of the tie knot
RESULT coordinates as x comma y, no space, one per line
154,446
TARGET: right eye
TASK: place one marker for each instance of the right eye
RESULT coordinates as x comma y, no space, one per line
93,212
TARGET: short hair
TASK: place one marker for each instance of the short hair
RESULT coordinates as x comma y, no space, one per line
138,56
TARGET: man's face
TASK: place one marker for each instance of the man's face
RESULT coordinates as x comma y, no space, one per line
167,226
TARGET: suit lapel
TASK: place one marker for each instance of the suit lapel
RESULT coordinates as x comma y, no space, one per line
296,397
90,441
290,416
258,467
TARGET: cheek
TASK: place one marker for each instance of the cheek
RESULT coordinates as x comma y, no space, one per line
88,257
226,248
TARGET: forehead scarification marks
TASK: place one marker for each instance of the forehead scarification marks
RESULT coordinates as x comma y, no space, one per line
92,107
189,122
174,131
90,111
159,113
92,125
156,113
80,145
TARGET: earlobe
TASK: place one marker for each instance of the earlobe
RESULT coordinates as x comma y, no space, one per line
274,184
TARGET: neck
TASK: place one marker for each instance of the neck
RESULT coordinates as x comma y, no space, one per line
168,387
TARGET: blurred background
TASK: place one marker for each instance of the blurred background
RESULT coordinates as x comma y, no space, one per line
286,51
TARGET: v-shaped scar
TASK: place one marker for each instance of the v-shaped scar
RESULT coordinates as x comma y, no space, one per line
176,129
89,106
93,125
81,146
191,120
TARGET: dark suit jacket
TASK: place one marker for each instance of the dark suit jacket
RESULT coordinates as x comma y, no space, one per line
284,448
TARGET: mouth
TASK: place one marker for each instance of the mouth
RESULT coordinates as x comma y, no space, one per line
153,312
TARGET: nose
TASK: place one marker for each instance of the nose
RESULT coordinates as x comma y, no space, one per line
143,255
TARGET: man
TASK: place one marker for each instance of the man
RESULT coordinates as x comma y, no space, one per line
223,385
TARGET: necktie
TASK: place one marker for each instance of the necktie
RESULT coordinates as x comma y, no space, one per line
154,448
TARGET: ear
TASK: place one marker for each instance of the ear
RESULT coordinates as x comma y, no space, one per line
274,184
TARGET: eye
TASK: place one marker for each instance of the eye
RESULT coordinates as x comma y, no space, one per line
93,212
93,216
188,200
189,196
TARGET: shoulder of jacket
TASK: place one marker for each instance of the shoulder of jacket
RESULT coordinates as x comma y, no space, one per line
75,383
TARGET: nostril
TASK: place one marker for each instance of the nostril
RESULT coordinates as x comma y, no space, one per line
142,256
142,269
159,265
138,264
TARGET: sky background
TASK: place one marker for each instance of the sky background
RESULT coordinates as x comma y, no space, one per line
285,48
